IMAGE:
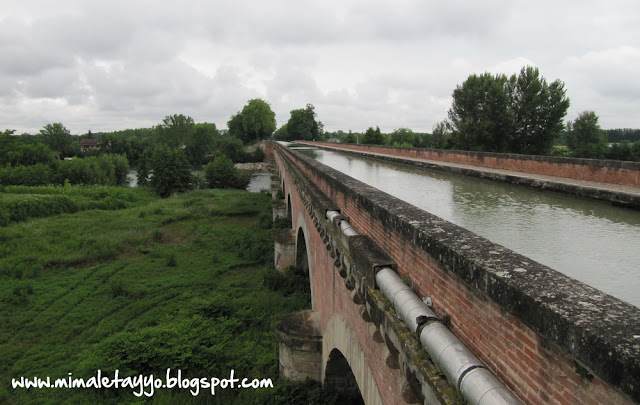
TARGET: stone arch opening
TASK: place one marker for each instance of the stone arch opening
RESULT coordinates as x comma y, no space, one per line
340,378
302,259
289,214
303,269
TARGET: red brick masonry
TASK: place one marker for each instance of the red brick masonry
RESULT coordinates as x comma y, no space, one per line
550,338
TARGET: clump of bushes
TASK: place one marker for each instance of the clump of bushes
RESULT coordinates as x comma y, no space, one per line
110,170
292,281
221,173
34,207
19,203
171,171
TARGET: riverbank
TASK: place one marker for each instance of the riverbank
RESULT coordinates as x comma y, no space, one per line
252,166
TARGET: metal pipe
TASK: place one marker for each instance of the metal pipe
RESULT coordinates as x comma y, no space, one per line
462,368
344,225
448,352
408,306
347,229
484,388
332,214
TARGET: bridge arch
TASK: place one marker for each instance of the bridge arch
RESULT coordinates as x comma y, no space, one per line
339,377
303,256
341,352
289,211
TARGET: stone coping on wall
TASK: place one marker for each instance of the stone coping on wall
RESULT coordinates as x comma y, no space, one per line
600,332
356,259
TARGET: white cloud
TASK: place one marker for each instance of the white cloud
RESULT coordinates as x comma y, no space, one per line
613,73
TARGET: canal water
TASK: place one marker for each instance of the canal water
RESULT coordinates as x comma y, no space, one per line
591,241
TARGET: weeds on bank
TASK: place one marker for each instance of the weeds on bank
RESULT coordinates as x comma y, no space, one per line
163,283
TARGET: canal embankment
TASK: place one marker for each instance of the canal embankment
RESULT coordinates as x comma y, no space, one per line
612,181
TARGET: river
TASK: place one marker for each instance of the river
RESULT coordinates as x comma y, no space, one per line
260,180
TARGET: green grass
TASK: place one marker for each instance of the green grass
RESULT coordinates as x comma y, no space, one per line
163,283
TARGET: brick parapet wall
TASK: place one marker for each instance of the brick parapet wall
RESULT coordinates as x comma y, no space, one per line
544,334
335,298
605,171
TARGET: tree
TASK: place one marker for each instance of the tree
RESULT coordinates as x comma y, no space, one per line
303,125
373,137
201,142
585,139
537,110
232,148
479,114
522,114
441,133
403,137
7,142
29,155
121,169
58,138
623,134
258,121
170,171
282,133
349,138
144,168
235,127
175,130
624,150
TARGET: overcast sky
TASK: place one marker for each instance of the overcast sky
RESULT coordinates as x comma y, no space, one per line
111,64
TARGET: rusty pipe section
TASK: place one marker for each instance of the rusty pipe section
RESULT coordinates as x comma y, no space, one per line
462,368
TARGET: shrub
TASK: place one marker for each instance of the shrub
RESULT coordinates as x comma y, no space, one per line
221,173
108,170
36,206
171,171
35,175
292,281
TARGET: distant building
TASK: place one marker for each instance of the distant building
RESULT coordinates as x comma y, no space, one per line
333,140
89,144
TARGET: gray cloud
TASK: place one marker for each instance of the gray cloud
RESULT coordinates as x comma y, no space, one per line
109,65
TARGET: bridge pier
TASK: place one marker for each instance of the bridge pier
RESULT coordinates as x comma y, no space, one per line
300,346
284,247
279,209
285,240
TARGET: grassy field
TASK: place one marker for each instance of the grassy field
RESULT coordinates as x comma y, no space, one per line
157,283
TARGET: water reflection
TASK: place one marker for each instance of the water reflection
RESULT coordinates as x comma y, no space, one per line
591,241
260,181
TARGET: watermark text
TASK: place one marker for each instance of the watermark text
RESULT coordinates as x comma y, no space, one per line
144,384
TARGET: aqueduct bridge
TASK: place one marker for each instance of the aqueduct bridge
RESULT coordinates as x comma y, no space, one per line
409,308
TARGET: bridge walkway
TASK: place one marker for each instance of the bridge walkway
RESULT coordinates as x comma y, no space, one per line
501,173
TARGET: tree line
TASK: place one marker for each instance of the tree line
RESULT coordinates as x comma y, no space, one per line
164,155
520,114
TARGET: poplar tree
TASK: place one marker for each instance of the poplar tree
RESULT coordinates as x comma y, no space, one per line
520,114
